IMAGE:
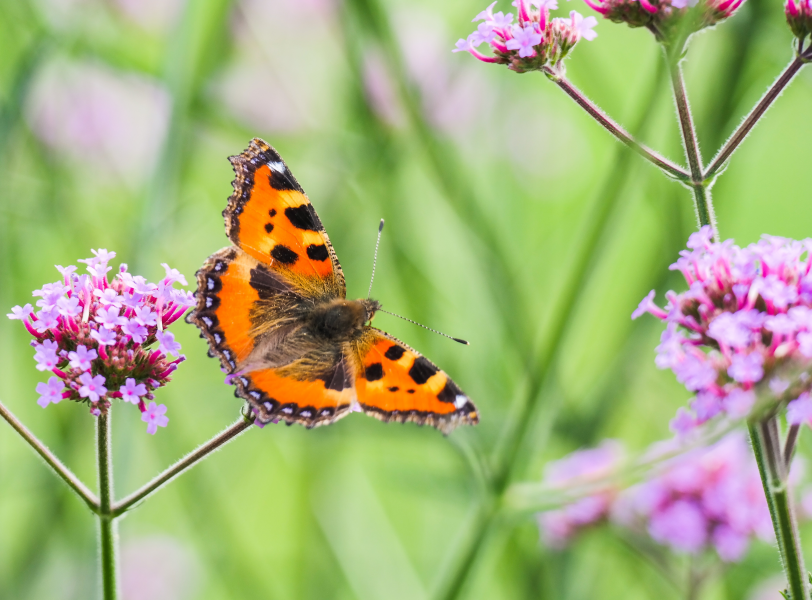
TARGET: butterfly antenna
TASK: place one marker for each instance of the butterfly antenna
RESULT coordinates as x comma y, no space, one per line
375,260
458,340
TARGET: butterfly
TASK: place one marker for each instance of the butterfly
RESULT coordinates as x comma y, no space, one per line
273,308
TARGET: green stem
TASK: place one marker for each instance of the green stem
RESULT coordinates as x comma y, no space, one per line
767,450
189,460
107,533
750,120
623,136
702,198
49,457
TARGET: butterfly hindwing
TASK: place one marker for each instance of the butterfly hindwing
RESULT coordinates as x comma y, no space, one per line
396,383
277,394
270,217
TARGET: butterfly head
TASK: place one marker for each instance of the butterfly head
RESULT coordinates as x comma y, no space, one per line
370,307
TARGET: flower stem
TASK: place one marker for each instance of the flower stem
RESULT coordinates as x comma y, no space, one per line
750,120
767,449
107,533
702,199
616,130
49,457
189,460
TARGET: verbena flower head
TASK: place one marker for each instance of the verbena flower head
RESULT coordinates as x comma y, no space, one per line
105,339
531,41
581,468
667,19
746,319
799,17
707,499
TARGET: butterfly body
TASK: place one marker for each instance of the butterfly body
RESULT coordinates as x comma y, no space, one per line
273,308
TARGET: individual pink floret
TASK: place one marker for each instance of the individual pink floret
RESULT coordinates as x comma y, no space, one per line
154,416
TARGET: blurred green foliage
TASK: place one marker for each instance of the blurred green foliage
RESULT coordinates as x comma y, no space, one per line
513,221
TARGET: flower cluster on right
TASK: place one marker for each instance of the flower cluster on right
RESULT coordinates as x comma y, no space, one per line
746,318
707,499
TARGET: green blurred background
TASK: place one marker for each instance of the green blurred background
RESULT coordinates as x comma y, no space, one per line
513,221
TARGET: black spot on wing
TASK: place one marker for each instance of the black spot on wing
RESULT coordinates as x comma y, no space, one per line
284,254
268,227
272,212
449,393
421,370
374,372
394,352
265,283
394,388
302,217
317,252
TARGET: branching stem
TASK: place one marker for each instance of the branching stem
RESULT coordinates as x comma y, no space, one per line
702,199
616,130
751,119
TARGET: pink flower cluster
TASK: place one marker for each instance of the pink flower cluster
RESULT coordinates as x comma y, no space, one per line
664,18
708,498
581,468
105,340
745,318
534,42
799,17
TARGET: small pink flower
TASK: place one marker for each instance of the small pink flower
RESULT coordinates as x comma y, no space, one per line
81,358
104,336
154,417
132,392
524,39
109,317
584,25
51,392
92,387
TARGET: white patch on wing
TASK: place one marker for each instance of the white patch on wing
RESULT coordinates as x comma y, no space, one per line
460,401
279,166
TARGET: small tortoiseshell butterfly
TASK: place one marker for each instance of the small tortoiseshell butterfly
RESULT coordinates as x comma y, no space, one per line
273,308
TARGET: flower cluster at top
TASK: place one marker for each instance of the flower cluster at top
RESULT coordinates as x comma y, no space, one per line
707,498
534,42
104,340
799,17
745,318
667,19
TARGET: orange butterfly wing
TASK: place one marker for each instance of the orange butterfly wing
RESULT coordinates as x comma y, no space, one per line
395,383
270,217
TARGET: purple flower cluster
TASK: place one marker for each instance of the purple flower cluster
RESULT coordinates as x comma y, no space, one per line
533,42
708,498
745,318
799,17
583,467
664,18
104,339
